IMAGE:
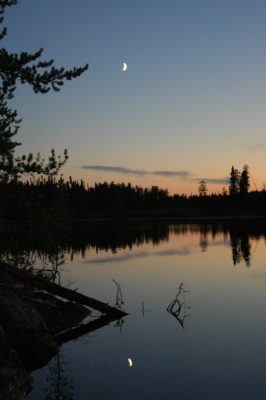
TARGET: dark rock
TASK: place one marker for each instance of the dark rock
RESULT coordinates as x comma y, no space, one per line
30,314
14,379
26,330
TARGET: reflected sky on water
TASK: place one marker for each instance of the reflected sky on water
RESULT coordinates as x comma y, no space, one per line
212,346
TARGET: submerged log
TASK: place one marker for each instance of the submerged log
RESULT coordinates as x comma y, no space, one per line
83,329
77,297
59,315
44,284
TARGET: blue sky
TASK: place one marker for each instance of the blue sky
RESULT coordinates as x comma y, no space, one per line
191,104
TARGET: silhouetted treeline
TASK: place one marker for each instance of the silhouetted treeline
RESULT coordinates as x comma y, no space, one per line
73,199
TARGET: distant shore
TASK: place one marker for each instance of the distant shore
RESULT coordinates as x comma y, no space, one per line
141,218
174,218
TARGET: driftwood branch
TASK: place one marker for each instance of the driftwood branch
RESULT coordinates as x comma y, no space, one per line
41,283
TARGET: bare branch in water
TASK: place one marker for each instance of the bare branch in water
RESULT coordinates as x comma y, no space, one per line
143,309
119,301
178,307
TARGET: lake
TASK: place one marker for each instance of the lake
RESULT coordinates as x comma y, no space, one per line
196,298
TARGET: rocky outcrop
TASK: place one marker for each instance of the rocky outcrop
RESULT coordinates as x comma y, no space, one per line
15,381
33,321
28,322
25,328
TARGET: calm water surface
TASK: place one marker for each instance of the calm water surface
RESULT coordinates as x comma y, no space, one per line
210,345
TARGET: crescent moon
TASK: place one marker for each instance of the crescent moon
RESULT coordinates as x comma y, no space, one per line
124,66
130,362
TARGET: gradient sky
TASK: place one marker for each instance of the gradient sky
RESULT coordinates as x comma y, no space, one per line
191,105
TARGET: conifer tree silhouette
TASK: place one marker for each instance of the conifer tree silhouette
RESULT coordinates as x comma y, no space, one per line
244,182
42,76
234,181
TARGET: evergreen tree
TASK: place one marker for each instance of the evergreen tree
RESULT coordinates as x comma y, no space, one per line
224,191
244,183
234,181
42,76
202,188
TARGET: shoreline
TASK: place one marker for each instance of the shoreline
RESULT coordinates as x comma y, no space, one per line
147,218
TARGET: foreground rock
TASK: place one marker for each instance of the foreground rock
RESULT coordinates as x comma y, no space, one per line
33,321
25,328
15,381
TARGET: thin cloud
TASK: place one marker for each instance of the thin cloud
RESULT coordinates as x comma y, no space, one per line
138,172
213,181
257,147
217,181
181,174
120,170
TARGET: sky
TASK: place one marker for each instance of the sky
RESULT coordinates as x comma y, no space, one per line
190,105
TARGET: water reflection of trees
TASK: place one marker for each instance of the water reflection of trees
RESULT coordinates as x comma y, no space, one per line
28,248
240,240
241,248
59,384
